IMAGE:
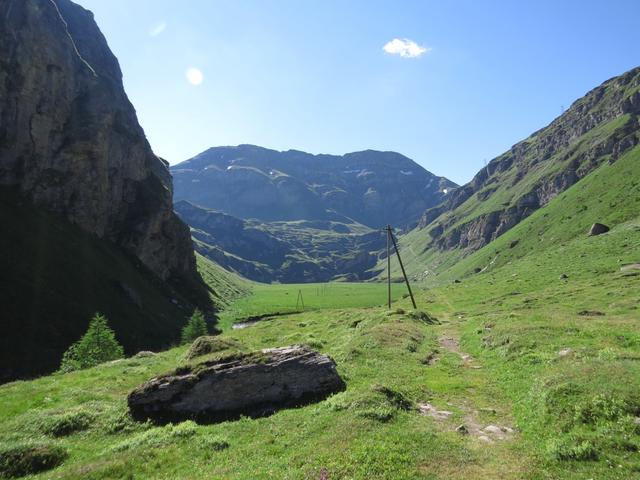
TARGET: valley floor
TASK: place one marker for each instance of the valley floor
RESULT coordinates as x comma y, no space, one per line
525,375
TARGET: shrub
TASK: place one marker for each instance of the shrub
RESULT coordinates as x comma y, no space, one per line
97,345
570,449
26,459
195,327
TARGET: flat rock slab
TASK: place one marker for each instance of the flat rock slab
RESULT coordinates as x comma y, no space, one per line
254,384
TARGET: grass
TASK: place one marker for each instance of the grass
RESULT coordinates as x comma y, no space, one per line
284,298
544,340
573,416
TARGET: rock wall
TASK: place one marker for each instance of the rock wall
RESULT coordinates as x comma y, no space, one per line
70,140
566,142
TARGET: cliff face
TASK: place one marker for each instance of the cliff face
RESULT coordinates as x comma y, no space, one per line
70,140
599,127
85,206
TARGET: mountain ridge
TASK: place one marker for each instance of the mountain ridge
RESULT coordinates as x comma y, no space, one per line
248,181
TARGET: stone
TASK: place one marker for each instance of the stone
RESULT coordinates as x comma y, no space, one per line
598,229
462,430
145,354
254,384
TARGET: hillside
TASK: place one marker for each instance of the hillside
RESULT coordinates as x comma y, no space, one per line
538,359
596,132
86,207
288,252
372,188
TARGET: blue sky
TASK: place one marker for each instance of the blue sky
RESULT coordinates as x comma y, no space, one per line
313,75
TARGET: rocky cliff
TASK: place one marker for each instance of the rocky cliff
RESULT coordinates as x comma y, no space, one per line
70,140
85,206
597,128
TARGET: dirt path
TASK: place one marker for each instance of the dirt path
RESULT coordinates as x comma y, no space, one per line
466,403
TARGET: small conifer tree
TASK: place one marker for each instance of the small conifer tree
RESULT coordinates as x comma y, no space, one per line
97,345
195,327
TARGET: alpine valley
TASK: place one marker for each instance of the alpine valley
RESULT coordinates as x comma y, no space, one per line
226,317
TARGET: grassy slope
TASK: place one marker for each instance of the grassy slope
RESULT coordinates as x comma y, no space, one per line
513,325
569,383
610,194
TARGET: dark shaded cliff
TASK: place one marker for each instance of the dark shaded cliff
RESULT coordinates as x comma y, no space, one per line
71,145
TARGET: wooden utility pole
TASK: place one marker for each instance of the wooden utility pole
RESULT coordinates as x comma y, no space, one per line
388,229
404,274
300,300
391,238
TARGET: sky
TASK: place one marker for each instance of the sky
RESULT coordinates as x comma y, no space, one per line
450,84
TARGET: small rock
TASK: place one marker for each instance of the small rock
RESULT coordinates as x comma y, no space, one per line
564,352
462,430
431,411
144,354
564,276
484,438
492,429
629,267
598,229
490,410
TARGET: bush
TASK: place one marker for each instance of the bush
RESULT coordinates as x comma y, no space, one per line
26,459
97,346
571,449
195,327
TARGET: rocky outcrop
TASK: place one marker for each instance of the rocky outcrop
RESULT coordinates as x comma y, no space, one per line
598,229
253,384
70,140
598,128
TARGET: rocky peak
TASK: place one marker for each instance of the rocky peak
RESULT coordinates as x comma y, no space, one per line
70,140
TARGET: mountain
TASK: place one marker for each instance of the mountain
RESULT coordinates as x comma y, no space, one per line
594,133
370,187
86,207
287,252
296,217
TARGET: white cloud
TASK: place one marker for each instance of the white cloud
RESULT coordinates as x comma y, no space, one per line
194,76
157,29
405,48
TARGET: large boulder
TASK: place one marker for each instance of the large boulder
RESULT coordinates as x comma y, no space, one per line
253,384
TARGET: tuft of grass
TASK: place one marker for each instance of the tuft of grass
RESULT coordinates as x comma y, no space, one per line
67,423
24,459
210,344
